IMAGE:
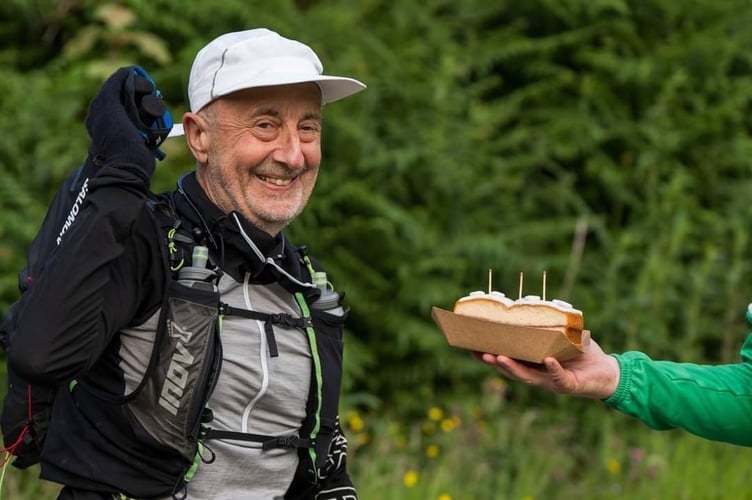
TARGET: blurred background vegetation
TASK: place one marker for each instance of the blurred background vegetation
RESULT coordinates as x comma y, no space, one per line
606,142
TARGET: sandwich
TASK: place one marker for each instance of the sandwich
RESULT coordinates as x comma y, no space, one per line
530,312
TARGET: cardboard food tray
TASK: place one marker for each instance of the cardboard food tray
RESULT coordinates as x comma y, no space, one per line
527,344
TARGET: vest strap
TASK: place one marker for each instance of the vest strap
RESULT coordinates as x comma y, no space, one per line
281,319
267,442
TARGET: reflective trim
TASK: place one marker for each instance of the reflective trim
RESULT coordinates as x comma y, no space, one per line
319,378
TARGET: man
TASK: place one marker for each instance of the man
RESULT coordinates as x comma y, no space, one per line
163,402
714,402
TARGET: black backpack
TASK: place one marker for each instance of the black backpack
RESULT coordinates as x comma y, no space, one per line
27,408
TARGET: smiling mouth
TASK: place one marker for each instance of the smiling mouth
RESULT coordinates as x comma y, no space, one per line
276,180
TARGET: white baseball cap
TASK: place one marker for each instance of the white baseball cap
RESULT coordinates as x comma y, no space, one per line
258,58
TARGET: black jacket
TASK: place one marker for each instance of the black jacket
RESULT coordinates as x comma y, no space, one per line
111,272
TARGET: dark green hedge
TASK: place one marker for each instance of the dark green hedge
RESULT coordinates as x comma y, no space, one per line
605,142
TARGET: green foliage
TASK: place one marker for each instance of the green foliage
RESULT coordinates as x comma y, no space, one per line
605,142
497,132
488,450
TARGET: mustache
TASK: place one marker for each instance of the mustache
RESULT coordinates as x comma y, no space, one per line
271,168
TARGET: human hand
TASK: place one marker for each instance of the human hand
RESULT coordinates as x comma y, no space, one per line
593,374
115,138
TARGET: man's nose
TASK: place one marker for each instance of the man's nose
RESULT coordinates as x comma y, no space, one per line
289,150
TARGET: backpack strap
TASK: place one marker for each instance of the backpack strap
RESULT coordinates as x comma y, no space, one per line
269,319
291,441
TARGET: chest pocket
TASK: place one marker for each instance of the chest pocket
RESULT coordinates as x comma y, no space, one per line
189,352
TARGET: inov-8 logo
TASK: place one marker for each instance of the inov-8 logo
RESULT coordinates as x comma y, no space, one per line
177,373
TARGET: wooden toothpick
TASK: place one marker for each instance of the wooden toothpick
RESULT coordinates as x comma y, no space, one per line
544,285
521,274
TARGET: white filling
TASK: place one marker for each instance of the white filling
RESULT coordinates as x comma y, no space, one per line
528,300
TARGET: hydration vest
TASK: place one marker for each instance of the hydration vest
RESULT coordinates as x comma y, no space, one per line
194,285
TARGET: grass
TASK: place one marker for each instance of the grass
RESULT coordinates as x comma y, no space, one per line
25,485
583,450
482,446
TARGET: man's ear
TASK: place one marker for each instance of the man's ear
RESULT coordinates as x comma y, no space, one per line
197,136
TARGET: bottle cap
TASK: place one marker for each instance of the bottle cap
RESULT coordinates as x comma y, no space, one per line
200,256
319,279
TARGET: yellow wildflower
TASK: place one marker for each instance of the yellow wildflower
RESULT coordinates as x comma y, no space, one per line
410,479
448,424
355,422
435,413
613,466
444,496
432,451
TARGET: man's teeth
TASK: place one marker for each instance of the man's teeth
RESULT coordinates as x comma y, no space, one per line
275,180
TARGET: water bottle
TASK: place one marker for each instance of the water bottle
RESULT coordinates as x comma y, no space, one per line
329,299
197,275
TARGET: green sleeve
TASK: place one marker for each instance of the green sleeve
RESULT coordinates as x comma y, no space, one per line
711,401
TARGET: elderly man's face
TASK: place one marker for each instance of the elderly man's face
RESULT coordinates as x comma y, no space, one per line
259,151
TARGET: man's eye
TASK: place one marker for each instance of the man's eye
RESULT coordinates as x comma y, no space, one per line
310,128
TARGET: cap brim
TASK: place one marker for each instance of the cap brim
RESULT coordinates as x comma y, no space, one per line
176,131
334,88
